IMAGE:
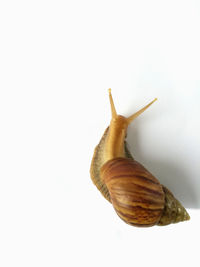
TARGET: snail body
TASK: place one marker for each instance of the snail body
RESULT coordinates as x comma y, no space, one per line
136,195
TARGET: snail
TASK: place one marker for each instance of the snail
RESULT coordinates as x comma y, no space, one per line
136,195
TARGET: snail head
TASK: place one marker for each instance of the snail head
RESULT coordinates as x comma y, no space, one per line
119,121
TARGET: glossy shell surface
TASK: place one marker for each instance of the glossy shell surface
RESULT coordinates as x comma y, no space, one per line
136,194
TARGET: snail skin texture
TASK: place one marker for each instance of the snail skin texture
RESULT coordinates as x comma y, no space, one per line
136,195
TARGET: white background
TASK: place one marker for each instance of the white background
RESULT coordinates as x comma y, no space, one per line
57,60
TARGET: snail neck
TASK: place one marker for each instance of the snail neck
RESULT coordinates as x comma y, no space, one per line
114,146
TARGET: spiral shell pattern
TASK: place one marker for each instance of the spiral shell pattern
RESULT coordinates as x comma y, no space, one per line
136,194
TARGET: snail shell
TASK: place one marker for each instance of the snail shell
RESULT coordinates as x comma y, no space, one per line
136,195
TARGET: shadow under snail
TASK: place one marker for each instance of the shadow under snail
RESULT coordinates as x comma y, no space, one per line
136,195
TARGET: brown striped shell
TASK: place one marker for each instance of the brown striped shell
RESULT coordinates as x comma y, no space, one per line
136,194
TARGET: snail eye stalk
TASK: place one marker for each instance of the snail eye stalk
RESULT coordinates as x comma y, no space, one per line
113,110
135,115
